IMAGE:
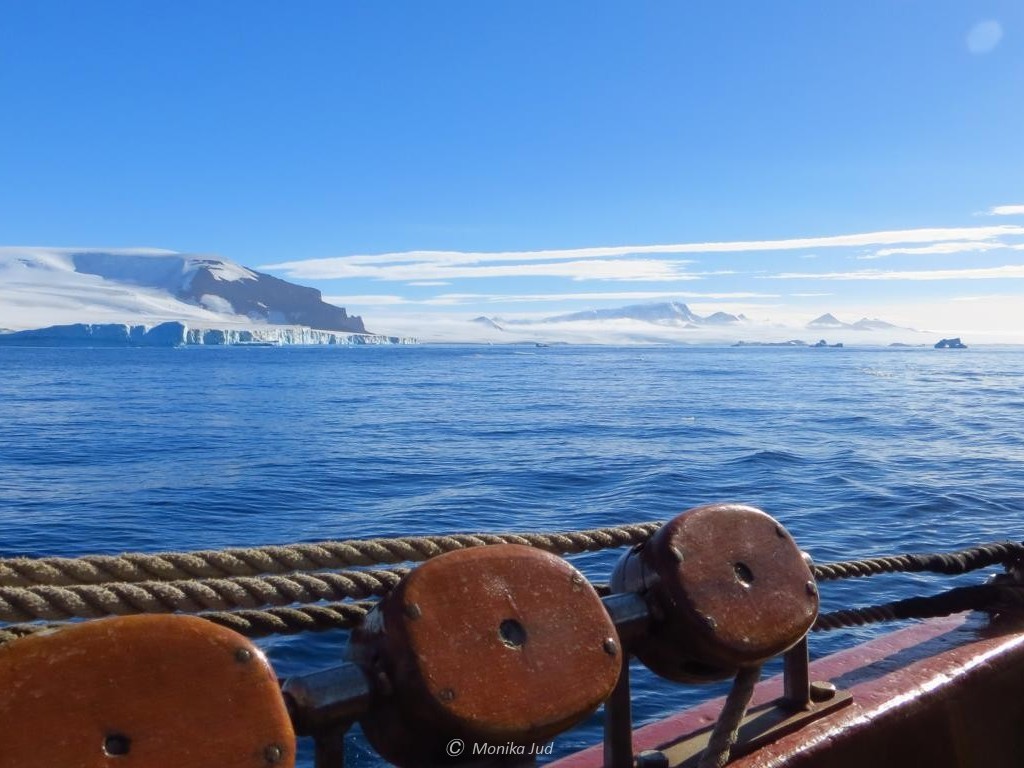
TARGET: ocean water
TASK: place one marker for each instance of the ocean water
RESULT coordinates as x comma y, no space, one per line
858,452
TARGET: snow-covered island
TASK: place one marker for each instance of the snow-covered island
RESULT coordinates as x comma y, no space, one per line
150,297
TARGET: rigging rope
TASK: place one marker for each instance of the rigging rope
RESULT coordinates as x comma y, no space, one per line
272,621
996,598
228,586
727,727
949,563
253,561
90,601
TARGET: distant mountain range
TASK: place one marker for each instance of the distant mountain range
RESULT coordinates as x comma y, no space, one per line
49,286
675,322
674,313
829,321
665,313
661,313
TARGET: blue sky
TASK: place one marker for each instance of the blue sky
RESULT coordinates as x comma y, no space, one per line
458,158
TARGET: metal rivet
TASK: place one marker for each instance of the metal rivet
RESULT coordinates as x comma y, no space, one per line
446,694
652,758
243,655
610,646
273,753
822,690
413,611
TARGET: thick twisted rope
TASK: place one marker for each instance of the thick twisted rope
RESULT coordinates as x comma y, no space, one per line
949,563
291,621
176,566
91,601
100,585
272,621
727,727
995,598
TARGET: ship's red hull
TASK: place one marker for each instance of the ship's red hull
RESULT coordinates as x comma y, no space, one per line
946,692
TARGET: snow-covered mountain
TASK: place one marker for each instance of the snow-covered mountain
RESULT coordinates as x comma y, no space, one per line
51,286
826,321
831,322
661,313
486,322
874,324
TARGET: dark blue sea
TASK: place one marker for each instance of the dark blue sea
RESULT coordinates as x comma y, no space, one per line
857,452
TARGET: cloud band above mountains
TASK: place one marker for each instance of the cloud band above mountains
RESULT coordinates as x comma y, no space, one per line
621,263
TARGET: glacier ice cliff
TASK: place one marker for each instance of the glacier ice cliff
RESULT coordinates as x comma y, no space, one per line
178,334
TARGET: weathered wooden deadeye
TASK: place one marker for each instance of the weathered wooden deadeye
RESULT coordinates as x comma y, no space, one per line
483,654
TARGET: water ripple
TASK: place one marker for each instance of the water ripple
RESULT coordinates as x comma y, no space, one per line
860,453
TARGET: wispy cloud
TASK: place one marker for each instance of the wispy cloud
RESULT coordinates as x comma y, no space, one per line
368,300
447,299
622,270
1010,271
702,274
1006,210
986,297
934,248
626,296
443,265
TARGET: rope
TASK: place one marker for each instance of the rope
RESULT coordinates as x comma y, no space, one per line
949,563
15,631
217,584
91,601
273,621
316,618
175,566
292,621
995,598
727,727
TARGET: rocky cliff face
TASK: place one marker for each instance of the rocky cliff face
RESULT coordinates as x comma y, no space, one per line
221,286
267,298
